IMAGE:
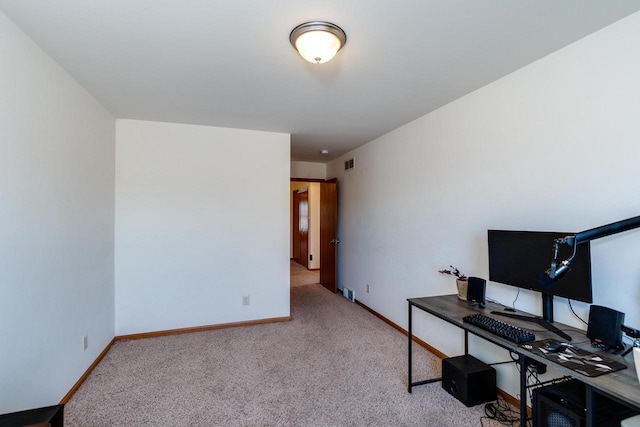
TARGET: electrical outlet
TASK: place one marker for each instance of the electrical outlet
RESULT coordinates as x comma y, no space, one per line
367,288
310,257
245,300
85,342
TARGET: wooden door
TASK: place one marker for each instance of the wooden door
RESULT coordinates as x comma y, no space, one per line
295,232
329,234
303,226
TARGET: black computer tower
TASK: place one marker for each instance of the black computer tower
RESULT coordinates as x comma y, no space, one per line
469,380
564,405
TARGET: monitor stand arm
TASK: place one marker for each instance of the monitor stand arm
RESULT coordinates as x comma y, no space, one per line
546,321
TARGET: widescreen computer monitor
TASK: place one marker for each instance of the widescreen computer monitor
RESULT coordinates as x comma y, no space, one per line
519,258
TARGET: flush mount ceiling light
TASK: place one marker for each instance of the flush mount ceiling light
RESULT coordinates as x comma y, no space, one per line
318,41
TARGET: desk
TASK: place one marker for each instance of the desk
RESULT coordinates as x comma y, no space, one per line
621,386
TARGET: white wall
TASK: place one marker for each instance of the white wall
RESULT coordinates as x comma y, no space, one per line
553,146
201,221
56,226
308,170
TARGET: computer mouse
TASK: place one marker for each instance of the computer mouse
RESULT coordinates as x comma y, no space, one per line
553,346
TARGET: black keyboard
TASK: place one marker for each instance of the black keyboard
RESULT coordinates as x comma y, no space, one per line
512,333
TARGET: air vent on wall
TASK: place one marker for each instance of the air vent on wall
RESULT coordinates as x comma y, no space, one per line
349,164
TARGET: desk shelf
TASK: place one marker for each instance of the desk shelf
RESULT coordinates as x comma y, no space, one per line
621,386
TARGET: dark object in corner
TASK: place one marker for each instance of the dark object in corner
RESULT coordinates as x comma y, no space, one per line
48,416
564,404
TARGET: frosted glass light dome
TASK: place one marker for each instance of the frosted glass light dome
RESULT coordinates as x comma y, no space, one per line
317,41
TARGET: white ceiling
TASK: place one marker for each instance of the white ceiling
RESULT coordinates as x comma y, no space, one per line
229,63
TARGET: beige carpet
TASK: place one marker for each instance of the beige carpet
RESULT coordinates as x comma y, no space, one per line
300,276
334,364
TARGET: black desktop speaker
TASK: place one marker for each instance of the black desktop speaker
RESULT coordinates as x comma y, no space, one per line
469,380
604,329
476,290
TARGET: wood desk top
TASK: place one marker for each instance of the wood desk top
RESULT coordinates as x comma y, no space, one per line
622,385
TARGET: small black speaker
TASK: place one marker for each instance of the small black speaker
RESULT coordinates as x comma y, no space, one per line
604,329
476,290
469,380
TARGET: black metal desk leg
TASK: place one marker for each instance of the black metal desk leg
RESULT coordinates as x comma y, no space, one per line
590,413
522,360
410,335
466,342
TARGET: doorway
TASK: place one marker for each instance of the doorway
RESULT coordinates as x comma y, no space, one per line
314,243
301,217
305,223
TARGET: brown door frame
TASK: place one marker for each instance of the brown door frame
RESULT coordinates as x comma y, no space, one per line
295,232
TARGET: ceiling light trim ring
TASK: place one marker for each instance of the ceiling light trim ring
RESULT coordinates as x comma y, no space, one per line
322,26
318,26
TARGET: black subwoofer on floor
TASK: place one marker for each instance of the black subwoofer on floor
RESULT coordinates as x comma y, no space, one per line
469,380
